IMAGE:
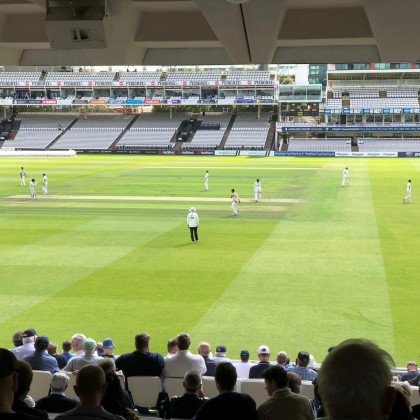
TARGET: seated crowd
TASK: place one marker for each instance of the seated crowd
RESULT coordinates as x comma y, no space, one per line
354,381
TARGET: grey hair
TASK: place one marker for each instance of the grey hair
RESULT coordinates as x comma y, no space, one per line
355,374
192,381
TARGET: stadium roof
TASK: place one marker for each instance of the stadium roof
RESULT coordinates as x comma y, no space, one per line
184,32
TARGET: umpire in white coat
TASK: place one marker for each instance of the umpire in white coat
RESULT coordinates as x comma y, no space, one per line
192,223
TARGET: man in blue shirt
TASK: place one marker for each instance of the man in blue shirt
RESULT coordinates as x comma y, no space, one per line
39,359
302,369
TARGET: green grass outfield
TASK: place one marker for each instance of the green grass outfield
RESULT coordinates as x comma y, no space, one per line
337,263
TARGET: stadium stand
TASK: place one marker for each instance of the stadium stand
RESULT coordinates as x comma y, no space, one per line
324,145
389,145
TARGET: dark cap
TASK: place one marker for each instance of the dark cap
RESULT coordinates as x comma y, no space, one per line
244,354
221,349
42,342
8,363
303,356
108,344
29,333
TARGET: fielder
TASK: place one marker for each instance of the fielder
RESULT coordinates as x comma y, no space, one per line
346,177
206,181
45,184
32,186
192,223
235,199
257,190
407,198
22,177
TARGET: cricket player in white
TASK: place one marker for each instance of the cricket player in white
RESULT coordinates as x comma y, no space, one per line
206,181
22,177
346,177
45,184
192,223
257,190
32,186
407,198
235,199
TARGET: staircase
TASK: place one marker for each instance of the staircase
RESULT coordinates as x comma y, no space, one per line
227,132
129,125
270,137
62,132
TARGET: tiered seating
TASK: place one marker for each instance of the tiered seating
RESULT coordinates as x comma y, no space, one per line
33,139
140,78
103,122
194,78
146,139
319,145
81,139
8,78
249,132
244,76
77,79
44,121
204,139
221,118
158,121
389,145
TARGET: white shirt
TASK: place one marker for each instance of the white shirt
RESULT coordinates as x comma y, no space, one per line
32,186
242,369
23,350
345,173
22,173
409,187
235,197
45,180
192,219
257,187
206,177
183,361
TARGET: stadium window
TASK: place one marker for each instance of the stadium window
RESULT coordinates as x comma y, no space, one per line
382,66
361,66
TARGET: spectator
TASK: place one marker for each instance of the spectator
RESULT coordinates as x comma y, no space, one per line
108,347
90,388
61,359
17,338
242,367
172,347
283,360
302,369
220,355
204,350
77,362
354,381
66,347
416,409
264,356
411,372
39,359
295,383
282,403
401,410
77,342
186,407
56,401
228,404
141,362
179,364
9,368
99,349
28,346
24,384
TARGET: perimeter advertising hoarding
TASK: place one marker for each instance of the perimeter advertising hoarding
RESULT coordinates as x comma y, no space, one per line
134,101
225,152
409,154
366,154
252,153
306,154
350,129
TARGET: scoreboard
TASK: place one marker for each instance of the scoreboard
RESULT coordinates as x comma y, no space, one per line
300,109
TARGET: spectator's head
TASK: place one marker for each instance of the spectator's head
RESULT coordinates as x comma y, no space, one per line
59,382
221,351
172,346
52,349
77,342
275,378
142,342
90,385
9,368
411,367
295,382
263,353
99,348
89,346
17,338
244,355
204,349
41,343
108,346
66,346
303,359
25,376
354,381
282,359
29,336
183,341
402,405
107,365
192,382
225,377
